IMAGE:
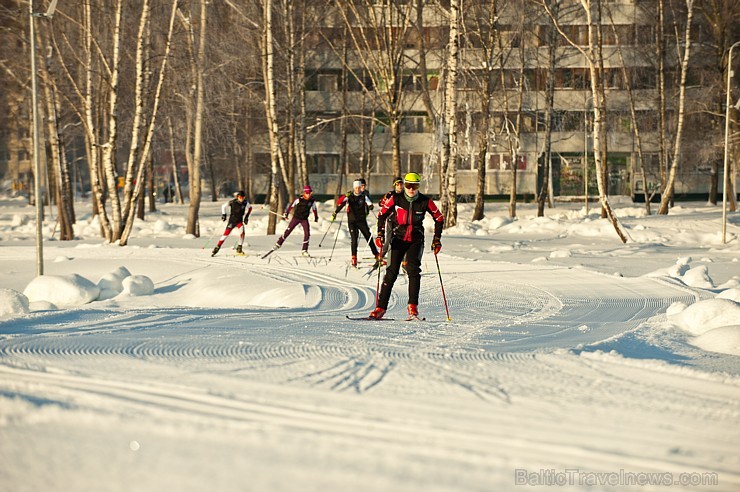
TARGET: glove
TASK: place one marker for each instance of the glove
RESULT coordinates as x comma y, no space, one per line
370,206
333,216
436,245
379,242
315,219
223,217
285,216
246,221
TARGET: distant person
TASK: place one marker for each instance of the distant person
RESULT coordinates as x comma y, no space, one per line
302,207
358,205
238,213
397,188
406,239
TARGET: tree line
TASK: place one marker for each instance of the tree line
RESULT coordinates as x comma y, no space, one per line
210,82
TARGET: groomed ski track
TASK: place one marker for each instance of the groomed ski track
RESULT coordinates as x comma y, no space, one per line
522,377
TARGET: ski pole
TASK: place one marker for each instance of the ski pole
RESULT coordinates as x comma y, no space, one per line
444,297
275,213
210,239
377,286
325,233
335,239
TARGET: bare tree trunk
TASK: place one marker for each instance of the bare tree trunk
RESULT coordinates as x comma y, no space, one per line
666,198
92,141
449,159
139,103
662,123
590,56
145,154
59,163
193,224
544,194
633,116
271,115
111,145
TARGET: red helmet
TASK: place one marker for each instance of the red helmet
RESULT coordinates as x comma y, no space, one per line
307,190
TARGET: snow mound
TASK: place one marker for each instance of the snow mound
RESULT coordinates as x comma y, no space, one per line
703,316
698,277
12,304
725,340
676,271
114,280
731,294
62,291
137,285
42,306
203,289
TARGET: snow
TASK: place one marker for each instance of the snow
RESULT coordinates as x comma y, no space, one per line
569,355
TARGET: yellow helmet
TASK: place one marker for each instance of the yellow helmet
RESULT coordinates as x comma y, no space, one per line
412,178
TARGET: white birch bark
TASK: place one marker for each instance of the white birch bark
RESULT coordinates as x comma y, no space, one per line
144,155
138,111
110,146
449,163
271,114
665,199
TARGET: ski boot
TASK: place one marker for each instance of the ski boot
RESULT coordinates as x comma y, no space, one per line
377,313
215,250
305,254
239,250
413,311
354,261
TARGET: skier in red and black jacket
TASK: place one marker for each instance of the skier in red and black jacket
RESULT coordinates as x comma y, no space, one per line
358,206
239,210
302,206
406,239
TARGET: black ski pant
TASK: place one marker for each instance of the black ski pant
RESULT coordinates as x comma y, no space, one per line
306,232
413,252
355,228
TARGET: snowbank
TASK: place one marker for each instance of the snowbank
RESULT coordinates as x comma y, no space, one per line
111,284
12,304
137,285
725,340
713,322
62,291
703,316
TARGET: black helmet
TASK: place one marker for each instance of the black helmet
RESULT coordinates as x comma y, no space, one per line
397,180
240,193
362,181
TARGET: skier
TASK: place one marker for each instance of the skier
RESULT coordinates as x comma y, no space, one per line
407,239
358,205
302,207
397,188
239,210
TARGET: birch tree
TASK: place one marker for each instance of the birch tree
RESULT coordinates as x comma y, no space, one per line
379,30
449,148
144,157
590,55
665,199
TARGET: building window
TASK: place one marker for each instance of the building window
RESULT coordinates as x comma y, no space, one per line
323,163
327,82
22,155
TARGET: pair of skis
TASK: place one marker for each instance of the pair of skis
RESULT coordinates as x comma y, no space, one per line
368,318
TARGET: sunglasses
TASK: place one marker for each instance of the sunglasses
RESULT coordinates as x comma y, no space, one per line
411,186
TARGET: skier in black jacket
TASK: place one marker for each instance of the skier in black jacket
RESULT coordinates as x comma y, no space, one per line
239,210
358,206
407,239
302,207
